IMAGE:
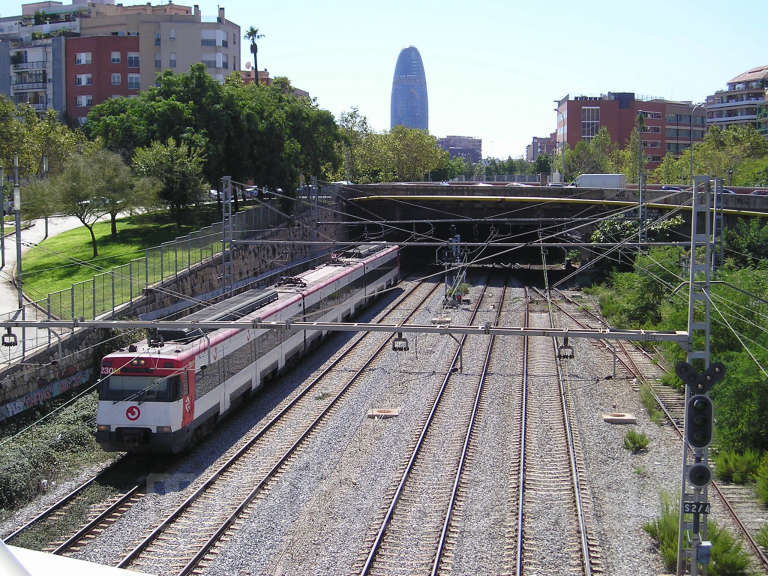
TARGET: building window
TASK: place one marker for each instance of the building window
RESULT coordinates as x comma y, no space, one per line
651,115
590,121
652,129
81,120
116,79
133,81
157,38
84,101
158,61
83,58
172,34
133,59
115,58
172,60
83,79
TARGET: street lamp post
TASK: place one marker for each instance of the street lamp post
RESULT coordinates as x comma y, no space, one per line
562,148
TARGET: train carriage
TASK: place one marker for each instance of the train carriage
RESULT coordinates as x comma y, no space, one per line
162,393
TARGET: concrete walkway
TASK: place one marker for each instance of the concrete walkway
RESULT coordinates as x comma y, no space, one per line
9,299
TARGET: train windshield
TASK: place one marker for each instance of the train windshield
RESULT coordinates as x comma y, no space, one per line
140,388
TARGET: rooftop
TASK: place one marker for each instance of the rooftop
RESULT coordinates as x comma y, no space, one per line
759,73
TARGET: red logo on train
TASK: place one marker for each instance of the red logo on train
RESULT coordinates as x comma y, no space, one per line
132,413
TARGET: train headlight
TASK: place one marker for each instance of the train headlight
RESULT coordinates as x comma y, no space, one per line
102,427
163,428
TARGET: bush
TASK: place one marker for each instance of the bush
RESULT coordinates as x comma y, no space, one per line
761,479
728,556
739,468
635,441
651,406
42,452
762,536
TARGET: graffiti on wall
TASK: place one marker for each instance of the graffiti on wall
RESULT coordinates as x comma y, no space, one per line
46,391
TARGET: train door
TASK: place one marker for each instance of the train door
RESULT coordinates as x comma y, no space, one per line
187,396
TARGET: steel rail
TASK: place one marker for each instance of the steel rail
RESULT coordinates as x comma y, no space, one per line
395,499
51,509
235,457
571,454
247,500
634,369
523,431
465,447
96,521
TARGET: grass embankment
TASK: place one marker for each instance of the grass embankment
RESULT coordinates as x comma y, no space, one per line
67,258
52,451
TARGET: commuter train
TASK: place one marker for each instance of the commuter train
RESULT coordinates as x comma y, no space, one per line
163,393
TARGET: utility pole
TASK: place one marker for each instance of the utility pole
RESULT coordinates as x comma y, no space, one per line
17,209
640,215
2,220
227,276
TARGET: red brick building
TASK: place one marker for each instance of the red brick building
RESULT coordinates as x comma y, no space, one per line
666,124
98,68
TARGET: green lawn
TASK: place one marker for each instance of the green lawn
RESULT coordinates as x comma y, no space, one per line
65,259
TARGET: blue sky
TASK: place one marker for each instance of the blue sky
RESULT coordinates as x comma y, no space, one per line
494,67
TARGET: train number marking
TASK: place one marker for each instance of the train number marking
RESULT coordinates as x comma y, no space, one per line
132,413
187,404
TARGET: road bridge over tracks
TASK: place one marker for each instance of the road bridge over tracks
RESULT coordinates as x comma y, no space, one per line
492,212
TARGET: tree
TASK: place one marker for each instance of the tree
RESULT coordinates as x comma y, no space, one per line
76,192
253,35
178,167
543,164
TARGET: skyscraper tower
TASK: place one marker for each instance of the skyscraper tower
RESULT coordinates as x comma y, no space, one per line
409,92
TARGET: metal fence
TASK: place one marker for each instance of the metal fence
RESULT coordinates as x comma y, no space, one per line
106,291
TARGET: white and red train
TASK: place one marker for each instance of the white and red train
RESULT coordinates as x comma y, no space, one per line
162,393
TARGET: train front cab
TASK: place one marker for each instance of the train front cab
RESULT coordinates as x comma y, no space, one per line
144,407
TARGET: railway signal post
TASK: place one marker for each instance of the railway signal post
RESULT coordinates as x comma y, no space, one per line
693,551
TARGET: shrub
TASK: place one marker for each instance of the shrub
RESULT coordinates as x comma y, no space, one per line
761,479
635,441
651,406
739,468
762,536
728,556
42,452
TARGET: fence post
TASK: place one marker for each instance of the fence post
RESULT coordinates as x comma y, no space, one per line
161,263
176,258
113,291
93,303
48,310
146,269
130,281
72,290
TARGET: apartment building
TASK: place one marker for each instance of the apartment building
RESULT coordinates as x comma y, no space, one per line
471,149
72,57
538,146
743,102
668,126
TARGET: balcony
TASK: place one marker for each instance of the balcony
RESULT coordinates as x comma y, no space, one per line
208,42
733,119
29,86
37,65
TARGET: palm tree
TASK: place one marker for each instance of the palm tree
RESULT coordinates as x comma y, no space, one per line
253,35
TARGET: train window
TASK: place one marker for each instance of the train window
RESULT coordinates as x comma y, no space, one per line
140,388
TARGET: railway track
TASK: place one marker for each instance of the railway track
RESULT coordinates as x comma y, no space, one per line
186,541
739,502
553,534
411,534
45,530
